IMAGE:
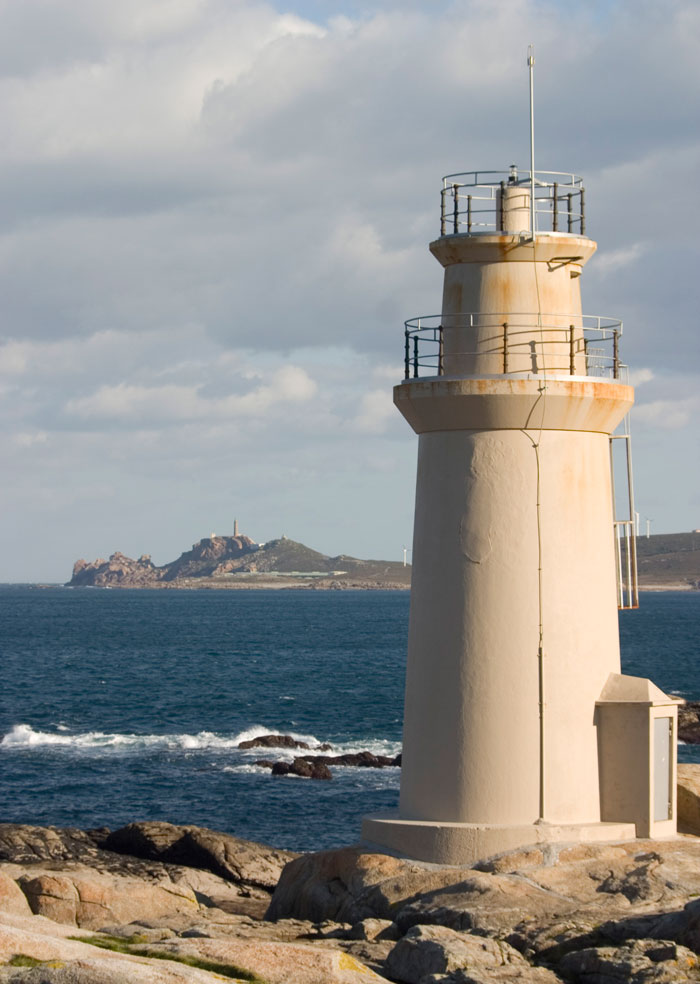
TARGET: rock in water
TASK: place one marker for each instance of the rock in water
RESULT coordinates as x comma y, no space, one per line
273,741
316,766
301,767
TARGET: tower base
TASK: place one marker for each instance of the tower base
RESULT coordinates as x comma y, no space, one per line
465,843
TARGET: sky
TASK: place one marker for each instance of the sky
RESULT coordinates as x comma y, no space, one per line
215,217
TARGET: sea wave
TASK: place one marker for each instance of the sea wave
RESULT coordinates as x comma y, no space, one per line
257,730
24,736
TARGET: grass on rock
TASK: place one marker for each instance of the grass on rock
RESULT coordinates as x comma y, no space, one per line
24,960
133,945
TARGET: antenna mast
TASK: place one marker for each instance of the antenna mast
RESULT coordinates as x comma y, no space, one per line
531,65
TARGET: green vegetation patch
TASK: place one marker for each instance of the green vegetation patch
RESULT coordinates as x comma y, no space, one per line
133,945
24,960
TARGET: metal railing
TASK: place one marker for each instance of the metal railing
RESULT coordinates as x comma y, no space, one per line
576,345
624,527
472,202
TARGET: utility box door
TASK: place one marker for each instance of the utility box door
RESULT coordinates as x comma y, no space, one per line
663,733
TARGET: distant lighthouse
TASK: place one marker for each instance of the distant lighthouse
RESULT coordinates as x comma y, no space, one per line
519,727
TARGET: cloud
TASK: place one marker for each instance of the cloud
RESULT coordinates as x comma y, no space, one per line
13,359
668,414
28,439
174,403
638,377
613,260
376,410
214,219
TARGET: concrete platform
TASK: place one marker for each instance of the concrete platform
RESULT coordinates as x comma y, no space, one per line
465,843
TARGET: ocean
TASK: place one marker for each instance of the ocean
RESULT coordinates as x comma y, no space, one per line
127,705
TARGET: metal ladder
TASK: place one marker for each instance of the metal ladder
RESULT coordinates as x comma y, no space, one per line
624,527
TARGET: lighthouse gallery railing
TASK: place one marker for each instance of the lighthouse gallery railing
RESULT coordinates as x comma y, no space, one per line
593,340
472,202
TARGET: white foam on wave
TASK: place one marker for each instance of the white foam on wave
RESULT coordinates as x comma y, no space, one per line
24,736
247,769
377,746
257,731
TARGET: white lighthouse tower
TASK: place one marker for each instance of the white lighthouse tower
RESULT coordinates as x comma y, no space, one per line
519,727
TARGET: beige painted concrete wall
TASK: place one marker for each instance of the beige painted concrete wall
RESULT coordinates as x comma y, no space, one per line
471,734
513,545
489,451
625,716
514,202
503,274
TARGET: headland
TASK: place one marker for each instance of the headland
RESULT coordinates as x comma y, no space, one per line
666,561
238,562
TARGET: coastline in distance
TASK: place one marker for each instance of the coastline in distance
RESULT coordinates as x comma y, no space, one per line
239,562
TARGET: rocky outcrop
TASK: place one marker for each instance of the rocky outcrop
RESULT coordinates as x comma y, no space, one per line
278,741
25,844
38,951
688,789
274,962
118,571
211,557
12,898
435,953
351,884
245,863
299,767
634,963
80,896
544,905
89,878
581,914
315,766
358,760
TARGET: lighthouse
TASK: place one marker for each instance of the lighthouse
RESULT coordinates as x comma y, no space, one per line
519,726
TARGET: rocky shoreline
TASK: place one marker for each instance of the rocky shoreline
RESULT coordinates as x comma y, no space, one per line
157,903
